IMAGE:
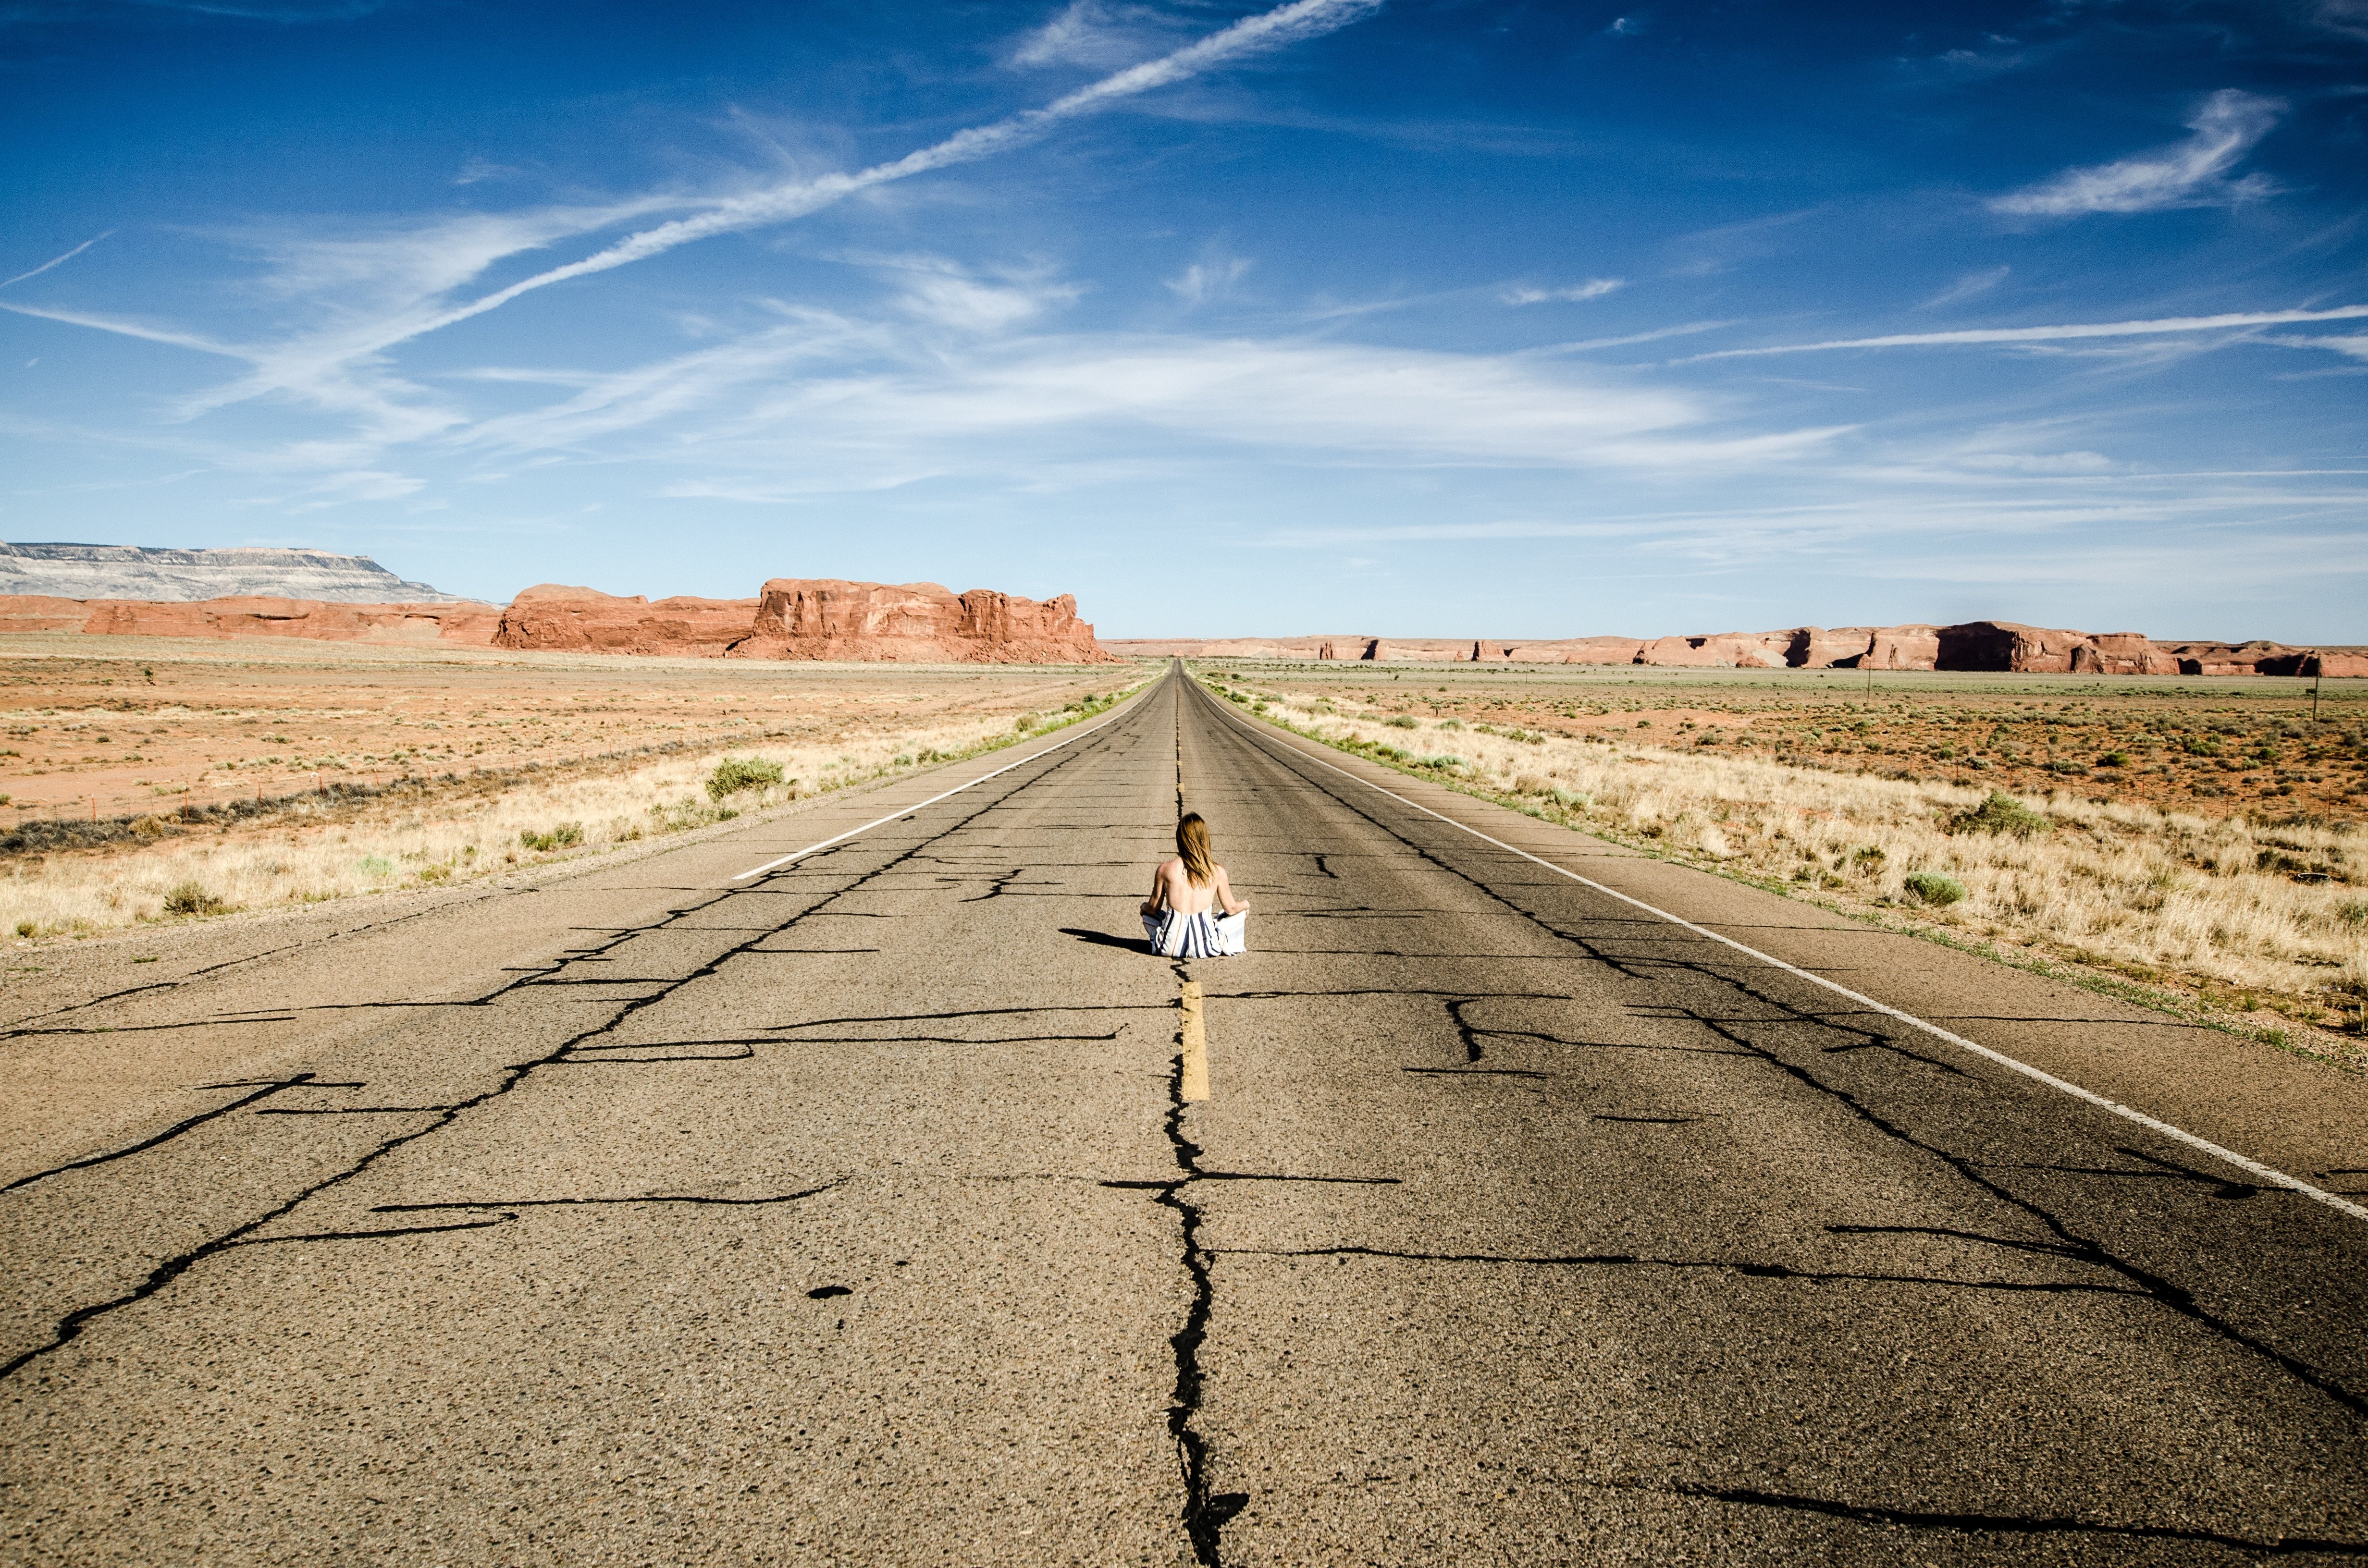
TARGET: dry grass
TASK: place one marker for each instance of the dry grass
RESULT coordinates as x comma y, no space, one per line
2249,916
315,853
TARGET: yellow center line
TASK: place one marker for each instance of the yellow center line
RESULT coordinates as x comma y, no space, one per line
1193,1037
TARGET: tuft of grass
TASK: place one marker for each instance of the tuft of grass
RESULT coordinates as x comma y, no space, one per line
2002,812
735,774
191,898
560,837
1403,721
1934,887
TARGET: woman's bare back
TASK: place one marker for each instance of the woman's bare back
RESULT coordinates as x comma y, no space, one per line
1172,887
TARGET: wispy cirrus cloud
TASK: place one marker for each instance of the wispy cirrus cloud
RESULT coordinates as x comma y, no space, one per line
1980,281
400,283
1530,294
2192,173
1093,33
2232,321
1211,277
55,260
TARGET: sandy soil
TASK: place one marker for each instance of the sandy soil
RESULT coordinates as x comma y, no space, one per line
108,727
2215,747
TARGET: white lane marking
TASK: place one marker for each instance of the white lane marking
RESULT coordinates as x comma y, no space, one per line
908,810
2252,1167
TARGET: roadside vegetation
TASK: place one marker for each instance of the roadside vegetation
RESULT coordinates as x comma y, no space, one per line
425,833
2264,922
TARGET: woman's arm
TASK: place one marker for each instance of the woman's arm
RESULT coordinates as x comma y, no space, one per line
1226,899
1152,905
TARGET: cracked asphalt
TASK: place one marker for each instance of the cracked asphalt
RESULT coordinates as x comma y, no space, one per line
853,1213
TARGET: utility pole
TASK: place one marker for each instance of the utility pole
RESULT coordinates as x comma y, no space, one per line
2318,669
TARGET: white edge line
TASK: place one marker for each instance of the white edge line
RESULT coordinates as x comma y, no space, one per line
908,810
2253,1168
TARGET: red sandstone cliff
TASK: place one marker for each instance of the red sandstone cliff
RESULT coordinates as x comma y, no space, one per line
552,617
460,622
827,619
809,619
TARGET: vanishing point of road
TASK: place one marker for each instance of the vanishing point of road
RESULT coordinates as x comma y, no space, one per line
1516,1200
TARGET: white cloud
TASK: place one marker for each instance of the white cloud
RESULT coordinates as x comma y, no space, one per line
1212,276
1010,405
1971,284
55,260
935,288
1593,289
2354,347
382,289
2041,462
1091,33
2187,174
2234,320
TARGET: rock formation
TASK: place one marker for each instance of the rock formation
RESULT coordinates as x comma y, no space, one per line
809,618
179,576
553,617
461,621
1999,646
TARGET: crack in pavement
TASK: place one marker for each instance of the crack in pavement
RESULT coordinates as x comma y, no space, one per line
71,1325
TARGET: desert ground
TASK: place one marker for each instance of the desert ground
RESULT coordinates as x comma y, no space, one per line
2201,843
255,773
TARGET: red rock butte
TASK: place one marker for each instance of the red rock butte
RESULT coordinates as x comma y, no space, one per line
797,618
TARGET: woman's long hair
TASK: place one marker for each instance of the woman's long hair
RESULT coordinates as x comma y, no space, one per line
1192,842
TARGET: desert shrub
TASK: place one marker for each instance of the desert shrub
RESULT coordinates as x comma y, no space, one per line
1403,721
152,827
1932,887
2001,814
376,864
562,835
191,898
27,928
1025,723
1450,723
2115,759
1441,761
735,774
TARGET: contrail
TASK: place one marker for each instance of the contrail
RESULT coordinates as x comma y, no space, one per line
2045,334
1271,29
56,260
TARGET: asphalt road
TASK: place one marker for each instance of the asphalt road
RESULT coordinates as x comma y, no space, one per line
865,1210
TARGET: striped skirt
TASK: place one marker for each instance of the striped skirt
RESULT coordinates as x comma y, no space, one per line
1207,934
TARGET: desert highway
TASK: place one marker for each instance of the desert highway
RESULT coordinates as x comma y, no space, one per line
888,1203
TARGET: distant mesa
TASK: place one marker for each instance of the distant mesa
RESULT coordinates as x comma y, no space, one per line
797,618
182,576
1995,646
127,591
791,618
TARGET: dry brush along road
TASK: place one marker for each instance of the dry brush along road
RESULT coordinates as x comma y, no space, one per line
1519,1199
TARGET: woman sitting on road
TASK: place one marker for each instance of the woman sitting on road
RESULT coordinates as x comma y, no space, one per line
1180,914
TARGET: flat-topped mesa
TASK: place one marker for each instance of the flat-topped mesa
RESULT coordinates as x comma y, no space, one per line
554,618
915,622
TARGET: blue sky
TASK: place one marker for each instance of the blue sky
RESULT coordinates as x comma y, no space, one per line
1492,317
